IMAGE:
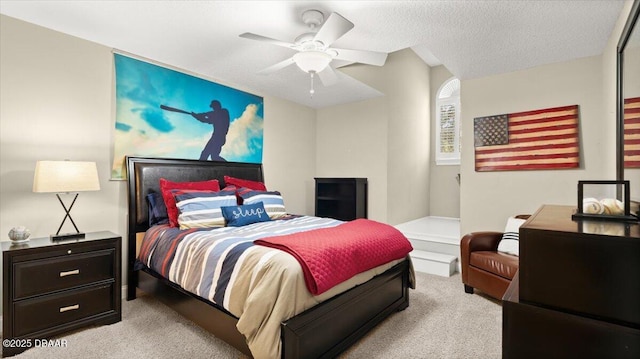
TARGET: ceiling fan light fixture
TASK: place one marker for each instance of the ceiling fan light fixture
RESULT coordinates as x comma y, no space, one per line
312,61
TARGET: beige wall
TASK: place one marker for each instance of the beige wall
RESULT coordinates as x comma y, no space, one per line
408,93
632,68
489,198
351,141
56,103
289,153
444,189
385,139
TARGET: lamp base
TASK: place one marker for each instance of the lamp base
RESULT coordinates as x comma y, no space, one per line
62,237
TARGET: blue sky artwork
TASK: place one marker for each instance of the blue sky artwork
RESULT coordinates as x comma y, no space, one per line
144,129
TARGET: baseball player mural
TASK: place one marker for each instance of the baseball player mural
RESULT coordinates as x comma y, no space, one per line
219,118
155,112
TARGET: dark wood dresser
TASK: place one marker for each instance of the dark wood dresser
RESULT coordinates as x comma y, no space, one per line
341,198
50,288
577,291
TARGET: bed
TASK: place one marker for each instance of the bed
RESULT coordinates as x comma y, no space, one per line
322,331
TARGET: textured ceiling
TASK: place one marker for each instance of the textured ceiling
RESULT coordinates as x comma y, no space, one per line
473,38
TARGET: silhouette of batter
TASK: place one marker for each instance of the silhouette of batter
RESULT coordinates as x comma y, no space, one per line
219,118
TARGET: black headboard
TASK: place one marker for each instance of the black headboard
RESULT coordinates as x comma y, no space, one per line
143,177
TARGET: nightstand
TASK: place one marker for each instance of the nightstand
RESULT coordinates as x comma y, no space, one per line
50,288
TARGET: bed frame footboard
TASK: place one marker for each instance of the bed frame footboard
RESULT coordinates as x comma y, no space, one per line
328,329
323,331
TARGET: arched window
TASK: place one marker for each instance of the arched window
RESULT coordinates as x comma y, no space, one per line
448,123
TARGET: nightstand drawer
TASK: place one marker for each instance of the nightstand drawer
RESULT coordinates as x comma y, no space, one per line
51,274
48,312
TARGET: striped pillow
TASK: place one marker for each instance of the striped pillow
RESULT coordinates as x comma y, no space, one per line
202,209
272,200
238,190
166,186
509,243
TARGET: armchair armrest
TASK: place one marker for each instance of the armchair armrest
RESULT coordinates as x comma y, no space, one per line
476,241
480,241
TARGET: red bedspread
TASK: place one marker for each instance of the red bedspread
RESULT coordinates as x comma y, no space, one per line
329,256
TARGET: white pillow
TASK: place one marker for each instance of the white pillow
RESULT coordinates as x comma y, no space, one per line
509,243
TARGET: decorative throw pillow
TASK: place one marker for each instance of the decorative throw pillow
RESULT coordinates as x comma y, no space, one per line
237,216
272,200
166,186
202,209
509,243
157,209
239,182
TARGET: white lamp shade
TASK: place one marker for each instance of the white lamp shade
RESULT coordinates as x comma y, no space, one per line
309,61
65,176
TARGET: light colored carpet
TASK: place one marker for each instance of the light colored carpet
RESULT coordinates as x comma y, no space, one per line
441,322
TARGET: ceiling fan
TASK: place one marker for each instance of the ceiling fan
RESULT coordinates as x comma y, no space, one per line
314,52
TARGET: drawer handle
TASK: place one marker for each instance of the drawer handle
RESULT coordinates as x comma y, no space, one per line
71,272
71,307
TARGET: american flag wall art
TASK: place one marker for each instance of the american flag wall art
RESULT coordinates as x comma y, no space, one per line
632,132
533,140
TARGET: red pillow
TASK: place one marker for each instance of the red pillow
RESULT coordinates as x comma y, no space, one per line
166,186
238,182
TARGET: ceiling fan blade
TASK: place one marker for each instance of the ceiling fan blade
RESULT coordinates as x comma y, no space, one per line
328,76
333,29
248,35
279,66
363,56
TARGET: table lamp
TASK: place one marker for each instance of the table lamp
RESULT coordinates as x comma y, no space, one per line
66,177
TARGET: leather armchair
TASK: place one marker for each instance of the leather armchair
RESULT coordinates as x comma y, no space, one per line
483,267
